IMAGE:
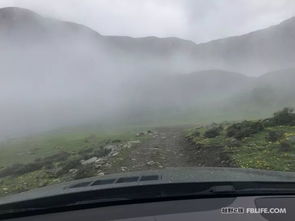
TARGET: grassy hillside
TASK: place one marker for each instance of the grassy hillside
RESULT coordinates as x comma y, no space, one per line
32,162
72,140
262,144
61,156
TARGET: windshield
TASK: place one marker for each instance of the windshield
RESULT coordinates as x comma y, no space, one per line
104,87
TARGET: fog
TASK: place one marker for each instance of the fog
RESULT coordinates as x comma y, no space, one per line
58,74
196,20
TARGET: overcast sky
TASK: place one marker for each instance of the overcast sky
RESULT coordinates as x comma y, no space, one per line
197,20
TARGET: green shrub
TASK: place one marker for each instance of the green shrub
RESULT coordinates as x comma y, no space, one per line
284,117
195,133
233,142
46,162
118,140
213,132
67,165
274,136
86,153
86,150
60,156
101,152
8,171
244,129
20,169
285,146
85,171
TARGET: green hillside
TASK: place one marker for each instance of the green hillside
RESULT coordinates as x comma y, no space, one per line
263,144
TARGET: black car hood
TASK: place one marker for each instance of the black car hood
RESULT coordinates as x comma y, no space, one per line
169,175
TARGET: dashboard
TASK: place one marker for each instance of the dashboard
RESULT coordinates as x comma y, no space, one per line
258,208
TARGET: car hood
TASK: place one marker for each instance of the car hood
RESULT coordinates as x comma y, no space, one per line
164,176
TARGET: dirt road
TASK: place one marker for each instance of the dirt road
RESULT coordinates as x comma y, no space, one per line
168,147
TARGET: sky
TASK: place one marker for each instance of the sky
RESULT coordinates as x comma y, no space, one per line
196,20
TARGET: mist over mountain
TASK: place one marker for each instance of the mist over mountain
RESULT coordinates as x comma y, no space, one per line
270,91
56,73
252,54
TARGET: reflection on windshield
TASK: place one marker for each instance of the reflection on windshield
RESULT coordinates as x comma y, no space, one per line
78,100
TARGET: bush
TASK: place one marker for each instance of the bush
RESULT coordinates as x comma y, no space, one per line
101,152
196,133
46,162
284,117
86,153
11,170
61,156
85,172
67,165
213,132
244,129
285,146
20,169
119,141
274,136
233,142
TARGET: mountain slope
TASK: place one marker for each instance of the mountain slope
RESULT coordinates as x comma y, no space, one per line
56,73
257,52
161,96
268,93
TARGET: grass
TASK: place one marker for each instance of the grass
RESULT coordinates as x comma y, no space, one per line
47,158
26,182
25,150
255,151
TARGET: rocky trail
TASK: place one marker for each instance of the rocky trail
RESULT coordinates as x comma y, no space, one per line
166,147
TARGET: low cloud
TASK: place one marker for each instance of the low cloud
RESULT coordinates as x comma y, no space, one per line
197,20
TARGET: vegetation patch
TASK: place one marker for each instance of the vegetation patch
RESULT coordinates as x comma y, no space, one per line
213,132
244,129
95,156
264,144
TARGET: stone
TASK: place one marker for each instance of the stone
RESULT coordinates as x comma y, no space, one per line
140,134
151,163
100,160
73,171
89,161
134,142
123,169
110,148
115,154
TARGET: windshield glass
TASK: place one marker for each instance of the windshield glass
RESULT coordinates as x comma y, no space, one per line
96,88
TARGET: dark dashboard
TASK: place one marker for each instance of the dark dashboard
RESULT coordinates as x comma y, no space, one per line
262,208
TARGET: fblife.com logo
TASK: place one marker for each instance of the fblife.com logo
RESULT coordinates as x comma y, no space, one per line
242,210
